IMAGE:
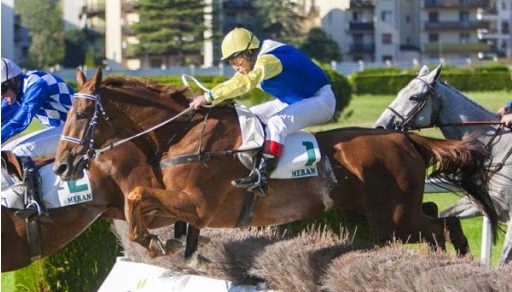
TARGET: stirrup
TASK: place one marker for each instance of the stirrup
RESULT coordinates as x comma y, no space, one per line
249,182
33,212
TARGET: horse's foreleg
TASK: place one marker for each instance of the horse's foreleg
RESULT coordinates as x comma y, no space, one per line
180,230
456,236
137,230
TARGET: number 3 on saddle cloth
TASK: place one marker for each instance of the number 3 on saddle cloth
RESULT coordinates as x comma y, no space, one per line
300,153
55,192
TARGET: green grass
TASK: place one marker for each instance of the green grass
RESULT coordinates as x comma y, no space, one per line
364,111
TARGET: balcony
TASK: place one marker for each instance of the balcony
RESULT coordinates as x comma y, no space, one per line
362,48
456,25
94,7
456,4
455,48
361,26
362,4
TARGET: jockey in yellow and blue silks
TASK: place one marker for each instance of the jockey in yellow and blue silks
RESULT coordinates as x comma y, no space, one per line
302,91
33,94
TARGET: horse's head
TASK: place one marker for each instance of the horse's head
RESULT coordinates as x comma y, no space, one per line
416,105
110,112
79,134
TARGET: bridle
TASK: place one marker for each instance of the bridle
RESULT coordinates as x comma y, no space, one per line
423,99
422,102
89,133
92,153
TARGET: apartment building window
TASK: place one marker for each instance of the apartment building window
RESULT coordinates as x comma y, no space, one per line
464,38
357,16
387,38
357,39
407,19
464,16
386,16
433,17
433,38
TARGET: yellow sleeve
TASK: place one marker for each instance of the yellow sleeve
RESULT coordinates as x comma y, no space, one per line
266,66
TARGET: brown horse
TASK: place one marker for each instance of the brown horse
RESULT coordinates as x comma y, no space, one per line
67,222
379,174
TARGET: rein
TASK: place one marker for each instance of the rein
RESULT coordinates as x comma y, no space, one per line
92,152
423,101
460,124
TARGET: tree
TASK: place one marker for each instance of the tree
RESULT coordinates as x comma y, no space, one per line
318,45
278,20
74,55
43,19
169,27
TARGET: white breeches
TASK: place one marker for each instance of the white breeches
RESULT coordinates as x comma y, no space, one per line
283,119
36,144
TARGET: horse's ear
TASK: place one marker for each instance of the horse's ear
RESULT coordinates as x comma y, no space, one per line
97,78
80,78
423,71
434,75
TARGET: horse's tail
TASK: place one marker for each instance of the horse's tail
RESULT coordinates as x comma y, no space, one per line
463,163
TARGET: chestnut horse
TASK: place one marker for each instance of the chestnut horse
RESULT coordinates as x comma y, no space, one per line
67,222
379,174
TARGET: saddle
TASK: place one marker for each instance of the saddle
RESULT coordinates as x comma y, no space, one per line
300,154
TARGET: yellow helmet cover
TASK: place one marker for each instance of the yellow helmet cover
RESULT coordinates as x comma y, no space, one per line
238,40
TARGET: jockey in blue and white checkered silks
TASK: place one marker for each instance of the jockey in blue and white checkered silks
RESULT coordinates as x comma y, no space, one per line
27,95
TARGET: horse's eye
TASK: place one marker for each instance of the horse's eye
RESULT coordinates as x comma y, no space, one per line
81,115
416,97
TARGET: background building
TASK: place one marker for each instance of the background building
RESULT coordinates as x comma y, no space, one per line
383,31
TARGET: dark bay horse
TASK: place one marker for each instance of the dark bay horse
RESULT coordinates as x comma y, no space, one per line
67,222
427,102
379,174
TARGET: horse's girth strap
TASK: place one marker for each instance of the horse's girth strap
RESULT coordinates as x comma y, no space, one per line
199,157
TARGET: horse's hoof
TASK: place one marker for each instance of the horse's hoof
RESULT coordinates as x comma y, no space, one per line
155,247
203,240
199,262
173,246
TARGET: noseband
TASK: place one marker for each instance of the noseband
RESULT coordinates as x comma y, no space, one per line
422,102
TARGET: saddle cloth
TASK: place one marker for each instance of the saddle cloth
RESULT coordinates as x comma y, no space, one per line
300,153
56,193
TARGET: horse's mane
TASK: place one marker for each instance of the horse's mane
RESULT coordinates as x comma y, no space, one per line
463,96
143,84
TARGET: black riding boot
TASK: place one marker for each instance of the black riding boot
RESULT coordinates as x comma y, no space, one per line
35,208
258,178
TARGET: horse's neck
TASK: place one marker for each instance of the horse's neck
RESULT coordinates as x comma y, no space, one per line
457,108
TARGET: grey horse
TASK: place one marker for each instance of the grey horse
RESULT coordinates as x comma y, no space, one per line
426,102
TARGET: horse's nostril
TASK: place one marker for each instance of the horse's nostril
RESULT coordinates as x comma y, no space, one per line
59,169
